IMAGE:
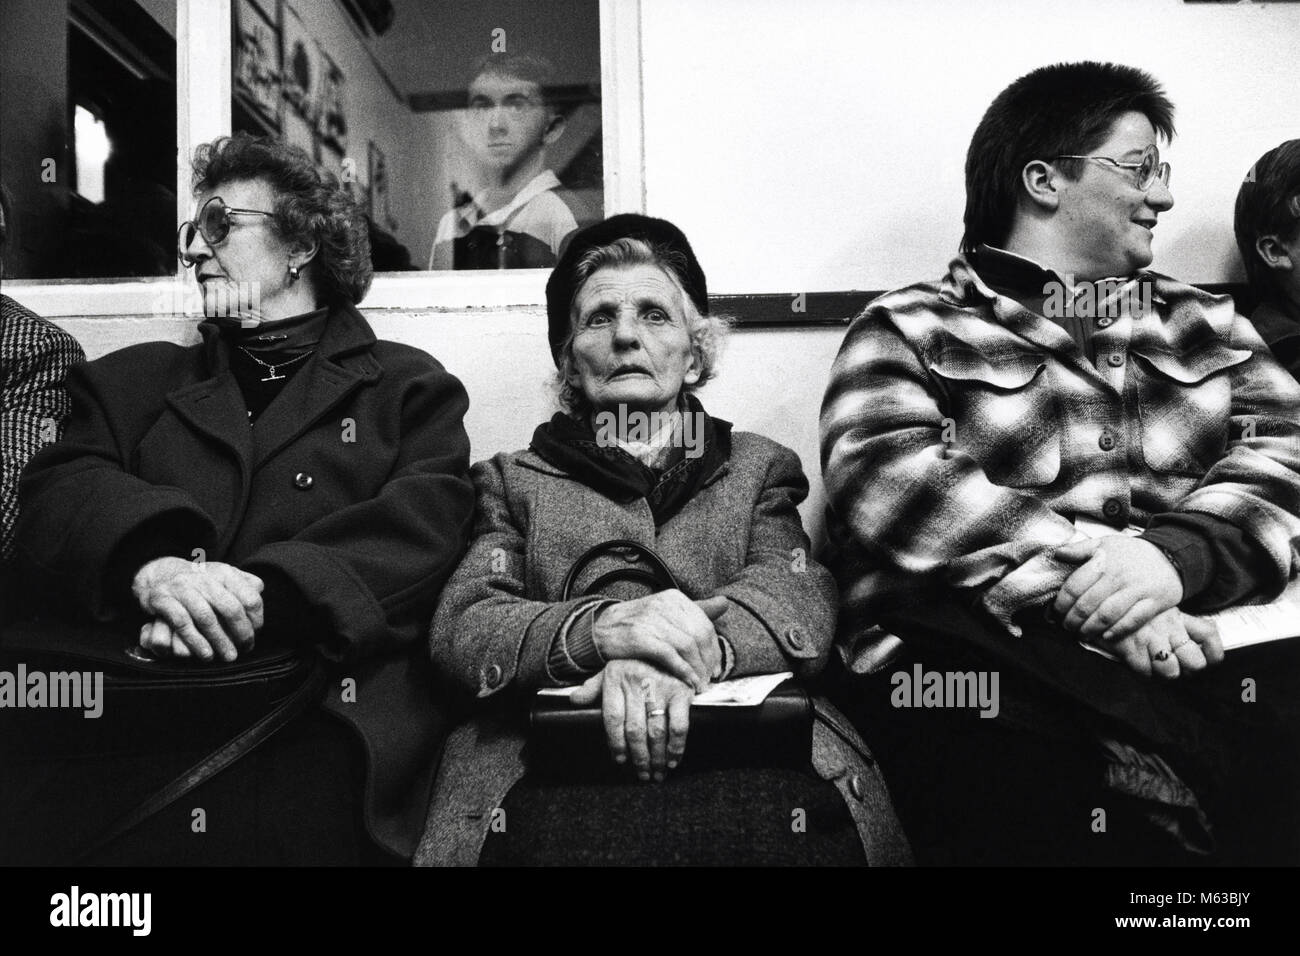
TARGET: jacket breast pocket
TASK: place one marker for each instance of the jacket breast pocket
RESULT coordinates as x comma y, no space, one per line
1003,414
1184,404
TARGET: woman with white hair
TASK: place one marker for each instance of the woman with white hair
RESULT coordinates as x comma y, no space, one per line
634,474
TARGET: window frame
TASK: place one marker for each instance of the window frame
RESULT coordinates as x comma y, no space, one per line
203,95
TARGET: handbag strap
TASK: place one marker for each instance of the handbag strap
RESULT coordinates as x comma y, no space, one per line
660,578
218,760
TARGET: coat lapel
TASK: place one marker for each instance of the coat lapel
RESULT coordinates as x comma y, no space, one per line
343,363
214,408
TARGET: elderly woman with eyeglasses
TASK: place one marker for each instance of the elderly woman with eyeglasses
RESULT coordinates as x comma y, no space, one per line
289,478
634,473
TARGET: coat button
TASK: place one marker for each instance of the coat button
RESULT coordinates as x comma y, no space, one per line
795,637
1115,359
492,677
1107,440
857,787
1105,321
303,481
1112,508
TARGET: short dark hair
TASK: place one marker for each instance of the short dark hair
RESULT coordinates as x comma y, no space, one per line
1055,110
310,205
523,66
1268,204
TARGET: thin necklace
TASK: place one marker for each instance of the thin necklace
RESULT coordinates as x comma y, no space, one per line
273,377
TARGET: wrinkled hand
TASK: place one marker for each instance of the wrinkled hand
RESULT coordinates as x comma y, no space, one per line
158,638
666,629
646,713
1121,584
210,609
1169,645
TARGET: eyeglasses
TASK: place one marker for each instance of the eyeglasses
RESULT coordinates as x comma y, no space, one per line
1149,168
213,225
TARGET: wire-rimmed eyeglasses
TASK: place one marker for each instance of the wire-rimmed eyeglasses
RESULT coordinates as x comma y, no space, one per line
213,224
1149,168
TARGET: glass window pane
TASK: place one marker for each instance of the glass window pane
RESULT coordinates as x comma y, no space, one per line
468,130
88,155
92,148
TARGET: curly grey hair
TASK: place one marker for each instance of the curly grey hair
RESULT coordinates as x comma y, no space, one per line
708,332
310,205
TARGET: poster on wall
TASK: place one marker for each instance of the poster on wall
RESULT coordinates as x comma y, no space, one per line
257,63
302,74
333,119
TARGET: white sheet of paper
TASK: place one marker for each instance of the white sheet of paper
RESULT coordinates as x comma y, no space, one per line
1098,529
1259,623
741,692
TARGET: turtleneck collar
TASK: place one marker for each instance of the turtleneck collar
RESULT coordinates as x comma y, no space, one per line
285,338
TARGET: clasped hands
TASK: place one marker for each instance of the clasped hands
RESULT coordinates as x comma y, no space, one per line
660,651
200,609
1124,594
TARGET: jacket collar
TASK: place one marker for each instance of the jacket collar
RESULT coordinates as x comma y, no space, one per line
345,333
344,360
472,215
1020,276
964,288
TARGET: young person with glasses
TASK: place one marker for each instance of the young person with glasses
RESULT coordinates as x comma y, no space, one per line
985,452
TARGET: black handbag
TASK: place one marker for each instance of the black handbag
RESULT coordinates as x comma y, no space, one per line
570,742
220,710
744,765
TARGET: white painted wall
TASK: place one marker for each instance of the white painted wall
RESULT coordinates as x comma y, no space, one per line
819,145
503,358
815,145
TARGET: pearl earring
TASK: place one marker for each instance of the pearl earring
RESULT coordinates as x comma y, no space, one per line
293,273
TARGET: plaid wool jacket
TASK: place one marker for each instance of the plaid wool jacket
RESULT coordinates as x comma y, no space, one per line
35,355
961,432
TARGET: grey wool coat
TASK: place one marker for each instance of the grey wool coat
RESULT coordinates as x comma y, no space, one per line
740,536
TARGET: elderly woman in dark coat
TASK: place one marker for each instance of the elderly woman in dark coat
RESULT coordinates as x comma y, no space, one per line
635,457
317,475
